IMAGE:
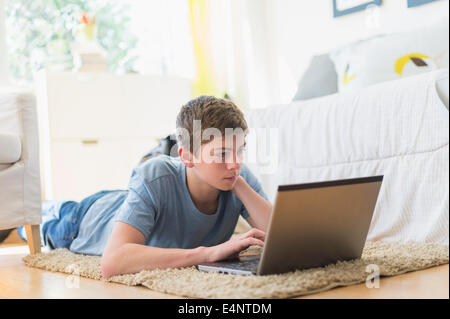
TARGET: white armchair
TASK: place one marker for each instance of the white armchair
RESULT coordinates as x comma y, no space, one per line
20,189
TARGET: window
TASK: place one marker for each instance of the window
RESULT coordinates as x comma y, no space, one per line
149,37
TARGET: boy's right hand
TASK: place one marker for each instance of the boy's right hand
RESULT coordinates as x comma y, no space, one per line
234,246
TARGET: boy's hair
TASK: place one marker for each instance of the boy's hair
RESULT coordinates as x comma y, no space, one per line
212,112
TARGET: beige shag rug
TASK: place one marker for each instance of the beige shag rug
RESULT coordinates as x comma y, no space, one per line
390,258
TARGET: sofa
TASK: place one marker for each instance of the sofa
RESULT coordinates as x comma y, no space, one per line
398,128
20,188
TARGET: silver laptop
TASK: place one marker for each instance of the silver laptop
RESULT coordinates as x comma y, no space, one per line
311,225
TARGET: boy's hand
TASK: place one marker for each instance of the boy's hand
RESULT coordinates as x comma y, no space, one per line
238,184
235,245
258,207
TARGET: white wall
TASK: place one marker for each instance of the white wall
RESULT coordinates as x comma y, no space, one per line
3,52
300,29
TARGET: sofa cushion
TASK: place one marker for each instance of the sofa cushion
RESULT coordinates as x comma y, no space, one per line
392,56
10,148
319,79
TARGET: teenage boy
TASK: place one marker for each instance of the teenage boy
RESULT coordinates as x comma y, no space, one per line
177,211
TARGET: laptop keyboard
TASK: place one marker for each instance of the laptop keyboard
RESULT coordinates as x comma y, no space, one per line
249,265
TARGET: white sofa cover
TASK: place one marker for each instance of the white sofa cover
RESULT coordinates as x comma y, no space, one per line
20,190
399,129
10,148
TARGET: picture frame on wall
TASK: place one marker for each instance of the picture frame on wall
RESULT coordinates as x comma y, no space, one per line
343,7
415,3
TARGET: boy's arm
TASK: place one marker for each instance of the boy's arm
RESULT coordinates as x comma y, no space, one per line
126,253
258,208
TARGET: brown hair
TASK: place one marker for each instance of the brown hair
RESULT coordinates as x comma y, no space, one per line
212,112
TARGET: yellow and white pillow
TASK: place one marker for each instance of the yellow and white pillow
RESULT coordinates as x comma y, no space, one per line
391,57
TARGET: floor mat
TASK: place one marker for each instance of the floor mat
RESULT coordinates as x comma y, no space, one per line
383,258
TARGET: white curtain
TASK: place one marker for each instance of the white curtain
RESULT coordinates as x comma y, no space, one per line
242,53
3,52
164,37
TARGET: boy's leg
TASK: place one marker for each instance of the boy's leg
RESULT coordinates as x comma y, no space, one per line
56,226
61,220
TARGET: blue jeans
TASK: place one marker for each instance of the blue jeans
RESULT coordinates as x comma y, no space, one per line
61,220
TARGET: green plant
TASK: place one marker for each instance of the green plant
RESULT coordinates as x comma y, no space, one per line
40,32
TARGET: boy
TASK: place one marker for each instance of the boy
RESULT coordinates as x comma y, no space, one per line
176,212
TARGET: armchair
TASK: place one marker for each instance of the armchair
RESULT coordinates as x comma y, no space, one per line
20,189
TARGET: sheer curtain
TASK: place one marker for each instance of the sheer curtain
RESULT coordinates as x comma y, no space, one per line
222,45
241,52
3,52
164,37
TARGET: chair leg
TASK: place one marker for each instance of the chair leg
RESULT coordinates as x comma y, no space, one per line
33,238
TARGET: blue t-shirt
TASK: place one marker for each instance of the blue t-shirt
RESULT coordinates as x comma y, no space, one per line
158,204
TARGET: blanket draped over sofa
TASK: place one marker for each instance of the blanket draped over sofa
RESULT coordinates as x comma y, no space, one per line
399,129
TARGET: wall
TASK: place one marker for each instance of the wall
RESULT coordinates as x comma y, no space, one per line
300,29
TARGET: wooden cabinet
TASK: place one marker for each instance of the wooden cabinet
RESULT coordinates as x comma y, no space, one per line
95,127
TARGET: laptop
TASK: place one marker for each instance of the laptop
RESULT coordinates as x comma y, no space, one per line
311,225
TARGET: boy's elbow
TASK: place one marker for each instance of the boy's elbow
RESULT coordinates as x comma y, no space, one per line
107,267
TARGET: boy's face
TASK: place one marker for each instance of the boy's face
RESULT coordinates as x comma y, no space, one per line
219,162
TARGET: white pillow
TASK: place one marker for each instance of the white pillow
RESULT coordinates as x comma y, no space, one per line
391,57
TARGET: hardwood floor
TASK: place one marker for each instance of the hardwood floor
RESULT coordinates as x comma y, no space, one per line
19,281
